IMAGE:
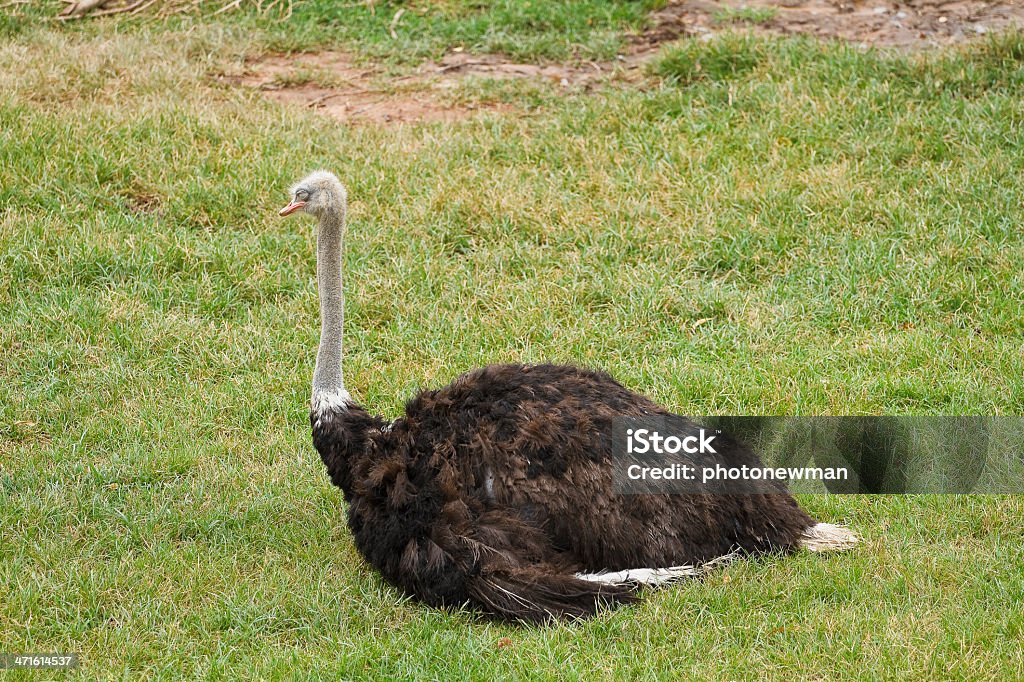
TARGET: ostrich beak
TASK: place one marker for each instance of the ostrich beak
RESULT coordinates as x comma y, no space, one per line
292,208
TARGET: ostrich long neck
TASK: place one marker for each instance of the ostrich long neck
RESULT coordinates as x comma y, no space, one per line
328,385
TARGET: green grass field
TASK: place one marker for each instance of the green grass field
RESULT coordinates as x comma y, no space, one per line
791,228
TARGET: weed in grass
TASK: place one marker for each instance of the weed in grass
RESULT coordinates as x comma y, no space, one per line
744,15
719,60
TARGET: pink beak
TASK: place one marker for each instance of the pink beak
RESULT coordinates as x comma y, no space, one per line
292,207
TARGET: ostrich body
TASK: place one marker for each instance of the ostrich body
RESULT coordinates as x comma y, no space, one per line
497,490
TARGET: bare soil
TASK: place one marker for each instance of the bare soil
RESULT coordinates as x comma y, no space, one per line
913,24
332,83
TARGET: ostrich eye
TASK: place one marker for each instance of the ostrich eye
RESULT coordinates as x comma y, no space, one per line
302,195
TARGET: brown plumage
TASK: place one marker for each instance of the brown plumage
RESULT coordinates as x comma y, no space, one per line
496,491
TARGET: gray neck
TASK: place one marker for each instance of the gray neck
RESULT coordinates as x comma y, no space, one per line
328,385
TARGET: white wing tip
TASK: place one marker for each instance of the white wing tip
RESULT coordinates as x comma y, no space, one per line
653,577
827,537
821,537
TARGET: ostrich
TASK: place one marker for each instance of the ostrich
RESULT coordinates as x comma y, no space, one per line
496,491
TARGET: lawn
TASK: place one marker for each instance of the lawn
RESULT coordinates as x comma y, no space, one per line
759,226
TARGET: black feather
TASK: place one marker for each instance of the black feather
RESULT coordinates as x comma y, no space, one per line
496,490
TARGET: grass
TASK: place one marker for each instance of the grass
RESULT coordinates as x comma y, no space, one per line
394,31
744,15
802,229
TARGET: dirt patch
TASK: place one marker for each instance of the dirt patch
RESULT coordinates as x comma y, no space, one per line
140,201
913,24
455,67
331,82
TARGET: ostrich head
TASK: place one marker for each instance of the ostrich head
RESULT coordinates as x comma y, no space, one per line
320,193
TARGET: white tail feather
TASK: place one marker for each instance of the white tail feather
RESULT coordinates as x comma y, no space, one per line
653,577
826,537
